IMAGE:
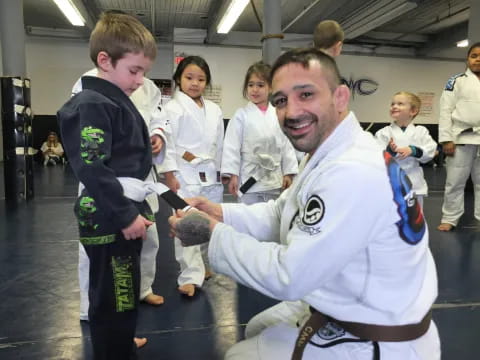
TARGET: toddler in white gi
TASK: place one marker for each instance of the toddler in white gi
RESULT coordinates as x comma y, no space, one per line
410,144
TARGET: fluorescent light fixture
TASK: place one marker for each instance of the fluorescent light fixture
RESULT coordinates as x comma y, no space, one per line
71,12
463,43
53,32
373,15
232,14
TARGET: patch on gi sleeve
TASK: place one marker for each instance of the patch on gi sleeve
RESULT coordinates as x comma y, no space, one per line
451,82
411,226
312,215
91,139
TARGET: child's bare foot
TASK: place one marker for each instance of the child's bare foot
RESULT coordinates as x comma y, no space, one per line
154,299
445,227
187,289
140,342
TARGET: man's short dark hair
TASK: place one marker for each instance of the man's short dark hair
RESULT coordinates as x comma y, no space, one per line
303,56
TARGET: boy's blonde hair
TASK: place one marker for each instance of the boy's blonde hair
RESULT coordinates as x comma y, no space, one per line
415,101
118,34
327,33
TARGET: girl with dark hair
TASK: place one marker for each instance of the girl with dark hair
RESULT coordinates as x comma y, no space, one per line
258,160
197,132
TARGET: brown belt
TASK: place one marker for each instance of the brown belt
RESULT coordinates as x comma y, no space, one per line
364,331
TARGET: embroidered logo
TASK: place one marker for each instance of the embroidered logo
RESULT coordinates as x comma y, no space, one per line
90,144
85,212
450,86
123,282
330,331
312,215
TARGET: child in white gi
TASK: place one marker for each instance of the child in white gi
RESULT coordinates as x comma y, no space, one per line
410,144
197,134
459,134
258,161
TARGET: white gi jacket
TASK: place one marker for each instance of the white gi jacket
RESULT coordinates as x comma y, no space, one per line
332,239
255,146
417,136
198,131
460,110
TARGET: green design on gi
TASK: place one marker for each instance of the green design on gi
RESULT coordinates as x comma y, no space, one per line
90,144
85,214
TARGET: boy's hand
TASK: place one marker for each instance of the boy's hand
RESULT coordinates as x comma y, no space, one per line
137,229
392,145
233,185
171,181
157,144
449,148
287,181
403,153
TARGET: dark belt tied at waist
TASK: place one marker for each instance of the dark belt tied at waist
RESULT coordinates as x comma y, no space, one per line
363,331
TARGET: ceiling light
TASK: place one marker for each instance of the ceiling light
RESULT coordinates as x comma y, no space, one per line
463,43
71,12
232,14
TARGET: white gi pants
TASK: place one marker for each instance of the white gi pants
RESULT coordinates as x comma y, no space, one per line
148,266
257,197
289,312
192,266
459,167
277,343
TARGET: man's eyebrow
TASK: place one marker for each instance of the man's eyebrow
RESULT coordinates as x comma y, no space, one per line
295,88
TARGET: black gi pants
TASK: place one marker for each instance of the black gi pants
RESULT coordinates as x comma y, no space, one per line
114,293
114,281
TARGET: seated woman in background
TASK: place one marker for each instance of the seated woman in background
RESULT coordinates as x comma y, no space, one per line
52,150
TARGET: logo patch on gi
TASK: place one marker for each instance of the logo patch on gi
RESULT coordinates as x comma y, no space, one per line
330,331
411,226
312,215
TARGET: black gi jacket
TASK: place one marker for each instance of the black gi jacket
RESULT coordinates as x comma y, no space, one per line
105,137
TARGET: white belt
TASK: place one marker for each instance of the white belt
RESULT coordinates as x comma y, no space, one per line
137,190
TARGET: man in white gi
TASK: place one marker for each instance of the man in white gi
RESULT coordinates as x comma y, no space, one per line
459,134
347,238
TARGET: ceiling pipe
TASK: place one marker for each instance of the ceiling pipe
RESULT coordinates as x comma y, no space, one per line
304,11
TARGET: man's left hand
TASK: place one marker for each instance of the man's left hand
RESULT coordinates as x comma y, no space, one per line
192,228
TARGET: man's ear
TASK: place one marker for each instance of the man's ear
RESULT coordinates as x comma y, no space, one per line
341,97
104,61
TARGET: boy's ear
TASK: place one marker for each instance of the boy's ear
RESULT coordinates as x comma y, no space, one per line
104,61
337,49
414,112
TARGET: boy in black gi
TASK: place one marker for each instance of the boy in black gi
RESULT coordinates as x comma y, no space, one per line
105,138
